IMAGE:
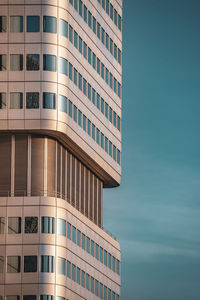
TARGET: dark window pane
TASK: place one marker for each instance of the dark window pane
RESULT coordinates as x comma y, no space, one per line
33,24
2,106
47,225
33,62
29,297
32,100
31,225
49,100
3,62
49,62
3,24
49,24
13,264
14,225
30,264
16,24
47,264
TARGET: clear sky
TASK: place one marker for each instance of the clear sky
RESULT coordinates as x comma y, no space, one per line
155,213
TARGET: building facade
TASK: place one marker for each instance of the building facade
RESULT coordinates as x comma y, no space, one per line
60,145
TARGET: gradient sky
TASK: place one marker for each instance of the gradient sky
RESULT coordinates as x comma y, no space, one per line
155,213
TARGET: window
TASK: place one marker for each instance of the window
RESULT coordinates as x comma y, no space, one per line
98,101
105,258
3,24
106,77
85,50
69,231
102,70
101,291
106,144
119,22
79,118
109,294
119,90
78,238
111,46
47,264
13,264
46,297
12,298
115,17
98,66
73,272
2,225
61,227
89,19
14,225
32,100
80,7
16,24
80,81
29,297
98,30
89,127
63,28
49,24
70,108
47,225
96,287
32,62
109,260
70,33
80,46
88,245
89,56
62,103
84,87
94,25
92,284
115,85
96,251
111,11
101,254
110,148
75,76
73,234
117,297
75,39
97,136
49,62
2,100
114,152
117,266
61,265
75,4
3,62
94,61
16,62
107,41
16,100
102,35
89,91
83,241
105,292
107,10
93,131
63,65
33,24
113,295
92,248
49,100
115,51
30,264
87,281
70,71
1,264
85,13
68,269
93,96
118,156
78,275
119,56
82,278
102,105
31,225
110,114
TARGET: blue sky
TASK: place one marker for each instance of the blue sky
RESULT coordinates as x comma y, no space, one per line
155,212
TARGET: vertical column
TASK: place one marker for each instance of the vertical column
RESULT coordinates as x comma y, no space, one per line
91,196
45,166
29,167
82,188
12,165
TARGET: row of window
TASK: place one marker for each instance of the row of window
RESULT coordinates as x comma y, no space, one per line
64,267
95,26
31,297
66,68
112,12
64,105
48,227
92,248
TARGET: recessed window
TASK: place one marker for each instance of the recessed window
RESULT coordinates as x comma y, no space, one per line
88,245
97,288
92,248
70,33
12,297
29,297
16,24
63,65
98,30
49,62
79,118
109,293
62,103
110,148
89,19
32,62
16,62
78,275
33,24
31,225
46,297
73,272
49,24
14,225
2,100
78,238
32,100
87,281
75,39
49,100
61,227
63,28
80,45
3,62
101,254
47,225
47,264
97,251
105,258
105,292
2,225
85,13
82,278
68,269
84,122
13,264
1,264
61,265
16,100
3,24
30,264
83,241
109,260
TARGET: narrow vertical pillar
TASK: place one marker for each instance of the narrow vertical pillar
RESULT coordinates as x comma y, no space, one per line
12,165
29,167
45,166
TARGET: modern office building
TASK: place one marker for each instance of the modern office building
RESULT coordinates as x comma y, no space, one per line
60,145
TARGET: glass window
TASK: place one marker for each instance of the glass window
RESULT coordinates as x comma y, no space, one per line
113,263
103,4
84,87
92,248
49,62
3,24
60,298
115,85
46,297
14,225
102,35
78,271
49,24
1,264
70,33
32,62
101,254
105,258
80,7
105,292
80,45
113,295
62,103
63,28
94,25
119,56
87,281
107,41
3,62
31,225
93,131
118,156
75,4
97,136
117,266
96,287
79,118
16,100
73,272
96,251
68,269
75,113
85,13
98,30
115,17
13,264
47,225
98,101
111,11
61,265
73,234
75,76
16,24
93,96
107,6
117,297
88,245
30,264
68,230
82,278
98,66
115,51
83,241
2,100
102,70
80,81
111,46
106,144
16,62
47,264
78,238
63,65
119,90
85,50
29,297
89,91
49,100
110,148
32,100
33,24
2,225
61,227
89,56
94,60
75,39
109,294
70,71
110,114
106,77
106,109
119,22
89,19
114,118
109,260
92,284
111,80
89,127
70,108
114,152
12,297
102,105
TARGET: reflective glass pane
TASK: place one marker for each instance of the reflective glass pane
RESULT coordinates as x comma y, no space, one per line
33,24
47,264
30,264
49,100
3,62
16,62
2,225
14,225
16,100
49,24
47,225
1,264
13,264
12,297
32,100
29,297
63,28
92,284
61,265
31,225
3,24
32,62
2,100
16,24
61,227
63,65
62,103
68,269
49,62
